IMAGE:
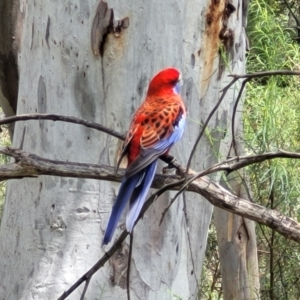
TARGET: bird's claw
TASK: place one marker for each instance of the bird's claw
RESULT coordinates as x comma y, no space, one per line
168,169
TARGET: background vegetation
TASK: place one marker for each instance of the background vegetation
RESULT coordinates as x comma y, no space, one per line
271,122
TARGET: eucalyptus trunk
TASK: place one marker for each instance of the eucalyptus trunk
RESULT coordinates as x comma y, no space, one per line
93,60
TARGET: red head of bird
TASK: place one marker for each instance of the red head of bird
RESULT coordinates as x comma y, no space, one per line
163,82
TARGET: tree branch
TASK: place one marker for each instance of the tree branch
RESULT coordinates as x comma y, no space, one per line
28,165
67,119
265,74
292,13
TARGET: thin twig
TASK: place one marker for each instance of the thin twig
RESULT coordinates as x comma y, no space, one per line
116,245
265,74
189,241
292,13
87,282
96,267
172,201
234,113
241,162
129,265
67,119
224,91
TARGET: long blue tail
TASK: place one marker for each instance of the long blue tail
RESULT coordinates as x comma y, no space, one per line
139,195
135,188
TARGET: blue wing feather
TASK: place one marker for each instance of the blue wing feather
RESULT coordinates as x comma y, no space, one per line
136,189
125,192
139,196
148,155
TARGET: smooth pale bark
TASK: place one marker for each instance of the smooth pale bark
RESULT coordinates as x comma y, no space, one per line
236,235
52,227
237,243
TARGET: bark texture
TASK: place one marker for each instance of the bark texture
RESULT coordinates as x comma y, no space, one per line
93,60
237,243
236,235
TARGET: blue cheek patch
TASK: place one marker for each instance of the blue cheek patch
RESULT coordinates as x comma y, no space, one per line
176,88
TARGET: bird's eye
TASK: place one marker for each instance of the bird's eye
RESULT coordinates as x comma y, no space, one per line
174,82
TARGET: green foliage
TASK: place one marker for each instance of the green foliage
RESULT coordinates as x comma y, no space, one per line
271,43
271,122
210,285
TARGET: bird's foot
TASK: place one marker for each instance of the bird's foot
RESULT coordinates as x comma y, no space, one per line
172,164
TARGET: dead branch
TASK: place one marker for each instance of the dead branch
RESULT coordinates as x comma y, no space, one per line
29,165
265,74
67,119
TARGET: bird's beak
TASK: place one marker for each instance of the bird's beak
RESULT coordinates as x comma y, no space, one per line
180,77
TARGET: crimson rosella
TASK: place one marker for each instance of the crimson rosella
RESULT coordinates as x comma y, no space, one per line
156,125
